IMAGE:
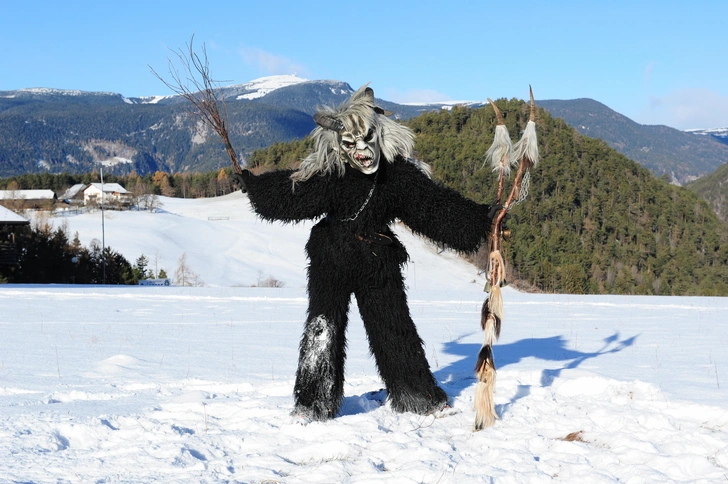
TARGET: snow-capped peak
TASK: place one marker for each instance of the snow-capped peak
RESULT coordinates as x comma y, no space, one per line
153,99
63,92
264,85
721,132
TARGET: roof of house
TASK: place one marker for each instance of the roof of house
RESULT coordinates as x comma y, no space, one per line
73,191
8,217
47,194
109,187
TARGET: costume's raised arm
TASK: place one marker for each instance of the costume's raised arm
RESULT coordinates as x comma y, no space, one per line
274,197
438,212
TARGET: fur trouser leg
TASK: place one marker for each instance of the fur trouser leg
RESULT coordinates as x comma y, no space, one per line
319,385
398,349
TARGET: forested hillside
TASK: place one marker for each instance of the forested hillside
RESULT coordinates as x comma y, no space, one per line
77,137
714,189
682,156
594,221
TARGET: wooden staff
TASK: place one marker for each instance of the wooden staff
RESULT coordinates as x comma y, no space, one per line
501,156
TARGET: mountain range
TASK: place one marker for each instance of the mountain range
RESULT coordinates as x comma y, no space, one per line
682,156
52,130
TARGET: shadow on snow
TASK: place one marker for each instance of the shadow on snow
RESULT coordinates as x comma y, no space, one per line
460,374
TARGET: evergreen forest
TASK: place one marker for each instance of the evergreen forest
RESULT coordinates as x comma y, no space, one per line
41,137
714,189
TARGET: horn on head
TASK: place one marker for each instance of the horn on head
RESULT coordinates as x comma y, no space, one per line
369,92
328,121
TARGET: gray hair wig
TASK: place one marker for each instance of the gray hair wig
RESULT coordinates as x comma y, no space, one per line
359,111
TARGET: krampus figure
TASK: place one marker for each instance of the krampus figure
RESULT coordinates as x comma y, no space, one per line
359,179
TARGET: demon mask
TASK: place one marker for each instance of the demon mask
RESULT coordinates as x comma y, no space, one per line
357,133
361,148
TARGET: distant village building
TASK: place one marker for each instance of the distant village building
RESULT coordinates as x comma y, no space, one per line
8,217
74,195
24,199
9,222
113,194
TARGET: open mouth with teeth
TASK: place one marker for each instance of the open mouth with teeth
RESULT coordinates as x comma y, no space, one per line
362,152
363,160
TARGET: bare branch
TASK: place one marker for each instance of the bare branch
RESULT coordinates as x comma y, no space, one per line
196,85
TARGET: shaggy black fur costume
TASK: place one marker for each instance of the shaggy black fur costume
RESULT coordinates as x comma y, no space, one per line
352,250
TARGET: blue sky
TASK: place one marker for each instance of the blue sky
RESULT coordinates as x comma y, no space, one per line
657,62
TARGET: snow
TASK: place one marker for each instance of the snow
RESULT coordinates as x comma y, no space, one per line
265,85
115,161
109,187
194,384
64,92
9,217
43,194
444,104
720,132
154,99
49,90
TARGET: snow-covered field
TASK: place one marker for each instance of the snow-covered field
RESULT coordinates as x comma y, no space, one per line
155,384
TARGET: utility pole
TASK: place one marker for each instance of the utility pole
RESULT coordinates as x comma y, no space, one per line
103,232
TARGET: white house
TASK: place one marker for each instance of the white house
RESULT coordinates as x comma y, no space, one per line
113,194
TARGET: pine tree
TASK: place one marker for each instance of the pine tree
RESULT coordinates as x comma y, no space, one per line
140,271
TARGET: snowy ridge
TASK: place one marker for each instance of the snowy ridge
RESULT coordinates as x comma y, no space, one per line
64,92
449,104
249,90
153,99
264,85
719,132
41,92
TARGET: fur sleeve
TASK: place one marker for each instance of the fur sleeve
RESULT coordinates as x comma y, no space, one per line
274,196
438,212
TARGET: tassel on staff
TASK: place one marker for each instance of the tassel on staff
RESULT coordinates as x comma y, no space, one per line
502,156
500,153
526,150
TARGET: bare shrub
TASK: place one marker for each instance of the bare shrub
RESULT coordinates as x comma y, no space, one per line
269,281
184,276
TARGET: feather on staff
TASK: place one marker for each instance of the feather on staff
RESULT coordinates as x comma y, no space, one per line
502,156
